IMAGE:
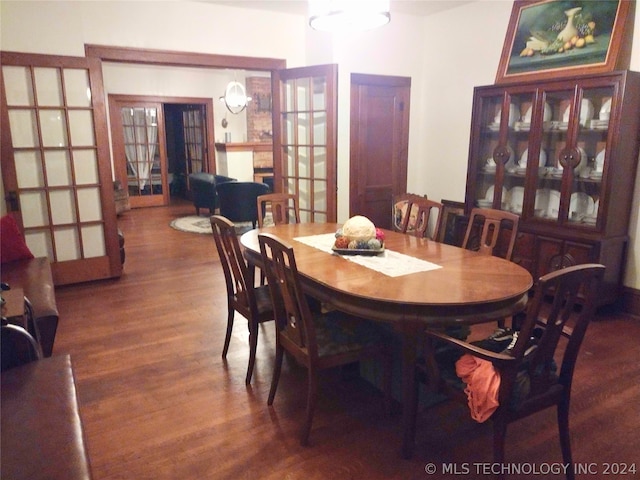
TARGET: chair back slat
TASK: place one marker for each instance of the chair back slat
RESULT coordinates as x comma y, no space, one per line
233,264
284,208
416,212
572,291
293,315
494,221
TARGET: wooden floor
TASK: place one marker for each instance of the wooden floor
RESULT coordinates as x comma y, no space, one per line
158,402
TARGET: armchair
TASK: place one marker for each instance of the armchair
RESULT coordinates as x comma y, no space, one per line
239,200
203,190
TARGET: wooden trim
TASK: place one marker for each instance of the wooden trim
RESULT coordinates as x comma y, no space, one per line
184,59
630,301
380,80
244,147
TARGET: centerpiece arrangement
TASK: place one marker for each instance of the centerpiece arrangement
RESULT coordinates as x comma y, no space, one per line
359,236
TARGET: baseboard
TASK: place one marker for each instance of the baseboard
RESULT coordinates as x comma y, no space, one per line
630,301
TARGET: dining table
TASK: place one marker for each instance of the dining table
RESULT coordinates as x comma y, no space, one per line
411,283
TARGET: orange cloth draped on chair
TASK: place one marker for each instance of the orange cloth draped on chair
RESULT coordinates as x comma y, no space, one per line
483,383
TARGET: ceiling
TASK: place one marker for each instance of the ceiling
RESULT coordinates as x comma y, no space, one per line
409,7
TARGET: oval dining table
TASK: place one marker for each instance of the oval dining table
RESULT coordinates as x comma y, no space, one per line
457,286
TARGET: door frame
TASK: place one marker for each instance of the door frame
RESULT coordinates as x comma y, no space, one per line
84,269
330,73
356,160
117,141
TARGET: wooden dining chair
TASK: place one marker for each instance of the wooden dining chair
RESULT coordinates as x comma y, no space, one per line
492,224
283,206
417,214
486,228
400,210
253,303
316,340
563,304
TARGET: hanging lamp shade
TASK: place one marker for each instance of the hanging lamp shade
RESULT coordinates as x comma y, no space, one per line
235,97
348,15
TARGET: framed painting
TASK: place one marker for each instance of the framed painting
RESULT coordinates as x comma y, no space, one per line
562,38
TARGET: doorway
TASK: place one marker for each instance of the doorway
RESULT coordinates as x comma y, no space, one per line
379,144
157,143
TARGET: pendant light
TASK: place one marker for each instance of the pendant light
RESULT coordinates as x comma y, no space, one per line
348,15
235,97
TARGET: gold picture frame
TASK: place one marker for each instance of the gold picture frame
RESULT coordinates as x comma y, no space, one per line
563,38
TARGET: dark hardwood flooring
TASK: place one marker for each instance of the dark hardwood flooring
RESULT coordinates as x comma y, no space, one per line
158,402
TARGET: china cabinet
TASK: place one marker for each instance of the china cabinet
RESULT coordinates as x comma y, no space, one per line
562,154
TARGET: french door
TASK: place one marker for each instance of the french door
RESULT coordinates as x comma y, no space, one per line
195,137
305,152
56,170
139,149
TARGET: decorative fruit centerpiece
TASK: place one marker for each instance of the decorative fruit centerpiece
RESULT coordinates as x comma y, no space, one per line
359,235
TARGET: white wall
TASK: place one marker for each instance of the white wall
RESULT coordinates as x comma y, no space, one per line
446,55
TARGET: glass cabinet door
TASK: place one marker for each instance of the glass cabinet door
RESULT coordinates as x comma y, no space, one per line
568,185
501,167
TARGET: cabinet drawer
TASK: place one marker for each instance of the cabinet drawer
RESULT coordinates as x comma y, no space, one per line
555,253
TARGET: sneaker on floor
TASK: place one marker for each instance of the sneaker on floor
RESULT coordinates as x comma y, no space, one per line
497,341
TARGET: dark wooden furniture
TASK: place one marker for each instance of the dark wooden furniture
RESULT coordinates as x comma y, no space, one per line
253,303
469,287
317,341
529,381
579,139
283,207
415,214
42,435
491,225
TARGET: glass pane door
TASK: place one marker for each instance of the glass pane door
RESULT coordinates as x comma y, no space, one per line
139,149
306,155
56,166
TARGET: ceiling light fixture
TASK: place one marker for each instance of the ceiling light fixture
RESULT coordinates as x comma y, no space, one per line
348,15
235,97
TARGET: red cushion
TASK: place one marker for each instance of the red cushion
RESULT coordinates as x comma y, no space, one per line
12,244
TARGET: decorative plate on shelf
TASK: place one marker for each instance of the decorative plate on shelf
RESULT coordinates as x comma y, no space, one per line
586,112
554,204
358,251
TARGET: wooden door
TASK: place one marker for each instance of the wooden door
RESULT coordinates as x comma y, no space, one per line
55,163
379,144
304,138
139,149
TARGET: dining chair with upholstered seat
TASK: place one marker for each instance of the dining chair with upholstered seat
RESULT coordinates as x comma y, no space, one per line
253,303
524,374
418,211
283,207
316,340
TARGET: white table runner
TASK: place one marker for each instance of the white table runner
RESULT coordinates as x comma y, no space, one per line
390,263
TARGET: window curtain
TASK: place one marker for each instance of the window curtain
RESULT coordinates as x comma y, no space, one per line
140,141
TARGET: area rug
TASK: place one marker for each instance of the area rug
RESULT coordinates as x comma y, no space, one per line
202,225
